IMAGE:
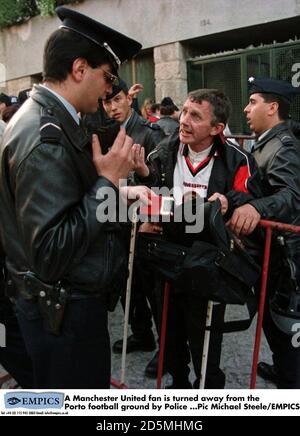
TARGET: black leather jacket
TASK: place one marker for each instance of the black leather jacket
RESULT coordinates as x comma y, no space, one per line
143,132
48,200
168,125
278,157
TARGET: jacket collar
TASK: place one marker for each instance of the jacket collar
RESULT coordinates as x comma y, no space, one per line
134,117
271,134
55,108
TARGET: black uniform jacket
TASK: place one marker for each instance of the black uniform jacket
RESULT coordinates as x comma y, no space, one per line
278,157
48,200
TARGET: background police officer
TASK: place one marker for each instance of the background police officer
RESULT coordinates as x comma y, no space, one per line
277,153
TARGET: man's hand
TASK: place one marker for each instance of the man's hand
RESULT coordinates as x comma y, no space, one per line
118,162
135,89
138,154
244,220
150,228
223,201
129,194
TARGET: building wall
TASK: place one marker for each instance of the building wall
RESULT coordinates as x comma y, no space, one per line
157,23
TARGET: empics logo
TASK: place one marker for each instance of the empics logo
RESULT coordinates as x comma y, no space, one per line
13,401
32,400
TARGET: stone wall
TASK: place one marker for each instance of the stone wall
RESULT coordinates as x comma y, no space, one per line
170,72
14,86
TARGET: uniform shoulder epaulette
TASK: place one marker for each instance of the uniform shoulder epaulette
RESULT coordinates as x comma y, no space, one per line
154,126
50,130
285,137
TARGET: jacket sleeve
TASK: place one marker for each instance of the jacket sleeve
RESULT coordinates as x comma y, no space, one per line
246,184
283,177
57,221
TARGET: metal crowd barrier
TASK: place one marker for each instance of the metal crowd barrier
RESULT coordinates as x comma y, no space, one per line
269,226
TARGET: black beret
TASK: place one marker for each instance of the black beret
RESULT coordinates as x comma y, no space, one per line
265,85
121,86
5,99
23,95
119,47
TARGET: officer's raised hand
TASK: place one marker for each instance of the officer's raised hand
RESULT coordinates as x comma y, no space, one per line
118,162
138,154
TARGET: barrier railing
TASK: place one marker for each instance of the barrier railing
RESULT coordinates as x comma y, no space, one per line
269,226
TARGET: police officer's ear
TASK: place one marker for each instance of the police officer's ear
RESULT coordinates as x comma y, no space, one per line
217,129
273,107
79,69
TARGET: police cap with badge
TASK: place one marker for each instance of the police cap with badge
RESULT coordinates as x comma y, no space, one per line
266,85
116,88
118,46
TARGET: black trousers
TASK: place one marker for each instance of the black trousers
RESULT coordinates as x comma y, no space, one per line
185,336
79,358
14,357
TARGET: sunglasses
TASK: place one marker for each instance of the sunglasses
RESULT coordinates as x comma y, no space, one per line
110,78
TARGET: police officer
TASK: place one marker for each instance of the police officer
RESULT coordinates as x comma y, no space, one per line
277,153
118,106
62,260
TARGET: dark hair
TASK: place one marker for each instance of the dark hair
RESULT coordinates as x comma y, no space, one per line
155,107
167,110
61,50
9,111
220,103
283,104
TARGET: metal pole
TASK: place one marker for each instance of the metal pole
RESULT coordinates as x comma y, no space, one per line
128,293
260,315
206,344
163,334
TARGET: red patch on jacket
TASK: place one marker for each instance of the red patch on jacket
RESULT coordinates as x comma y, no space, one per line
240,179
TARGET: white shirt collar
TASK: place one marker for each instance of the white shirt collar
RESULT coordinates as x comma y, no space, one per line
70,108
